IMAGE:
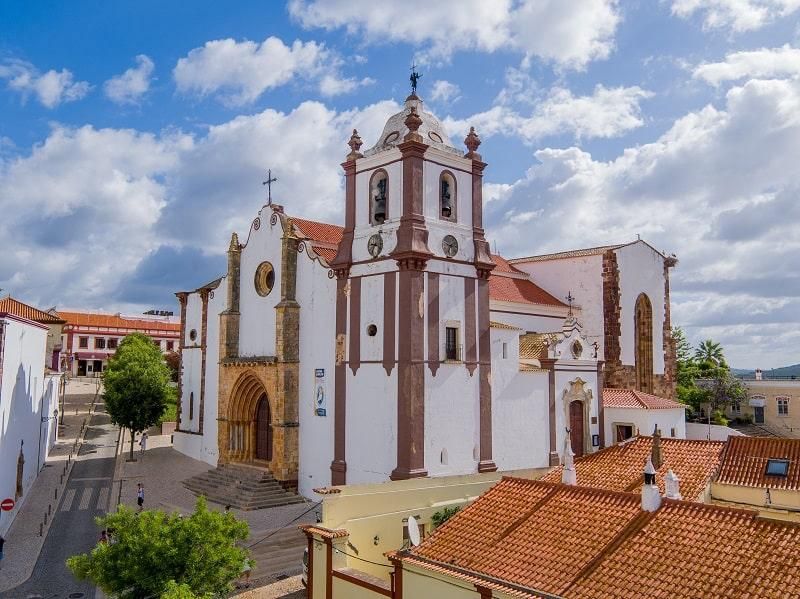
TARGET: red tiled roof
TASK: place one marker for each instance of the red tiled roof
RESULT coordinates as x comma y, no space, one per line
89,319
629,398
17,308
521,291
322,232
579,542
568,254
744,462
619,467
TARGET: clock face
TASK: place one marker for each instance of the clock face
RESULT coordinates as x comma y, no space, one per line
375,245
449,246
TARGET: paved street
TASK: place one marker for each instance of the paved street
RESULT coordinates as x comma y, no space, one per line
73,529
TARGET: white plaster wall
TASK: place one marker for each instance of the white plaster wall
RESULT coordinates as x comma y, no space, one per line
372,313
209,451
371,440
21,396
257,331
50,394
641,270
527,322
645,421
191,361
194,319
584,278
520,428
715,432
563,379
316,294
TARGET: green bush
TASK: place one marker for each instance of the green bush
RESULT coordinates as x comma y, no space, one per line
444,515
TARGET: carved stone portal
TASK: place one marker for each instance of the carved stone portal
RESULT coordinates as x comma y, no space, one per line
582,397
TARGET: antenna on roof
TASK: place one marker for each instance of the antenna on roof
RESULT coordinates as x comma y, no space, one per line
413,531
638,237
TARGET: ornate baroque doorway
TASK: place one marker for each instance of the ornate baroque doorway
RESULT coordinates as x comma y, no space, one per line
263,430
576,427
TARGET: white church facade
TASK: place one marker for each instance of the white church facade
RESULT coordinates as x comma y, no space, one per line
396,346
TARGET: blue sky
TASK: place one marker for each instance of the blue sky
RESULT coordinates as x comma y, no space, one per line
134,137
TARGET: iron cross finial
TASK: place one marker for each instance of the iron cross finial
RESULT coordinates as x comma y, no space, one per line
270,180
570,299
414,78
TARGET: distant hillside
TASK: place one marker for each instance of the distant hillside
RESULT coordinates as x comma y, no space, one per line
784,371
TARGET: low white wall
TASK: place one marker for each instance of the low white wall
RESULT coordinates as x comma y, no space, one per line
715,432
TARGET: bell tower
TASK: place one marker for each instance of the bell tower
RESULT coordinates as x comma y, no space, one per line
412,307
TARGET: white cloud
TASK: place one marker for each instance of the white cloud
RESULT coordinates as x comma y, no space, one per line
89,210
445,92
608,112
50,88
569,33
736,15
762,64
718,189
241,71
130,86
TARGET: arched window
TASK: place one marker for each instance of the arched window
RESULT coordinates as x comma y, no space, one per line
447,196
643,325
378,197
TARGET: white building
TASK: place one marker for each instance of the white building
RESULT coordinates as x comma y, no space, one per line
397,346
28,408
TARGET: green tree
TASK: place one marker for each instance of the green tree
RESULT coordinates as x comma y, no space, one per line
444,515
683,350
152,553
136,385
709,351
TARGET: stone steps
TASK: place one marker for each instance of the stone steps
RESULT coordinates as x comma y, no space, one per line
241,487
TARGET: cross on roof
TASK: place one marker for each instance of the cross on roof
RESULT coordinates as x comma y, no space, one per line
270,180
570,299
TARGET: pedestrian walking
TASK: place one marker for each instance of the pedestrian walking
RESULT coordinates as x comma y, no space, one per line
143,442
140,496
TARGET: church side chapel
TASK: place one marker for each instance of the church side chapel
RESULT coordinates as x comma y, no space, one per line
397,346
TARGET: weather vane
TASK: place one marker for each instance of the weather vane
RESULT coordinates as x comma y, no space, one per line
570,299
414,78
270,180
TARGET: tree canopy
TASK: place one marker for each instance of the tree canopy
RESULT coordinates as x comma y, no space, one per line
136,384
709,351
155,554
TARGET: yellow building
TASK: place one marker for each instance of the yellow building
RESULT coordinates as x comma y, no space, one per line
773,403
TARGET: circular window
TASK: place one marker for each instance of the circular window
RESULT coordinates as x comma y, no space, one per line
193,334
391,137
372,330
265,279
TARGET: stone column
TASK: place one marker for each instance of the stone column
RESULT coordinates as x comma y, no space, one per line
182,298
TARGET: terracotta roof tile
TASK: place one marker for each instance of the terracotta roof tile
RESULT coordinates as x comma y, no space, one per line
567,254
533,346
17,308
619,467
520,291
581,542
629,398
501,325
744,462
92,319
322,232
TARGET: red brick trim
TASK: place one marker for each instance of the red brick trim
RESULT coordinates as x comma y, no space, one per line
470,341
354,354
549,364
310,575
329,569
389,322
433,322
204,351
486,463
339,463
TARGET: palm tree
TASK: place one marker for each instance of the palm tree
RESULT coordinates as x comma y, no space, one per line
709,351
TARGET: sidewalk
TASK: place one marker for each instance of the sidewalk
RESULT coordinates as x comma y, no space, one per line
23,541
162,469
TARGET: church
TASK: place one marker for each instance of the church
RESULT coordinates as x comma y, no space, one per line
398,346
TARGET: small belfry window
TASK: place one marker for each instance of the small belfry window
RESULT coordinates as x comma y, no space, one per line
378,197
451,343
447,196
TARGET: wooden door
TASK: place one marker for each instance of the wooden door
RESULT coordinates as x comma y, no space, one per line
576,426
758,412
263,430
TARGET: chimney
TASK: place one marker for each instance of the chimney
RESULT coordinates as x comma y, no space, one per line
655,454
651,498
672,486
759,374
568,474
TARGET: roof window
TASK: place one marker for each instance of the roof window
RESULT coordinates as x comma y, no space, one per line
777,468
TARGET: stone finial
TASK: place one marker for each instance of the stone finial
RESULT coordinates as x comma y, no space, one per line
472,141
672,486
234,246
651,498
413,122
568,474
355,144
655,454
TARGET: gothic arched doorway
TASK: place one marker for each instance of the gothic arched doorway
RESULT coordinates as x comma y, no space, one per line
643,344
263,430
576,426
